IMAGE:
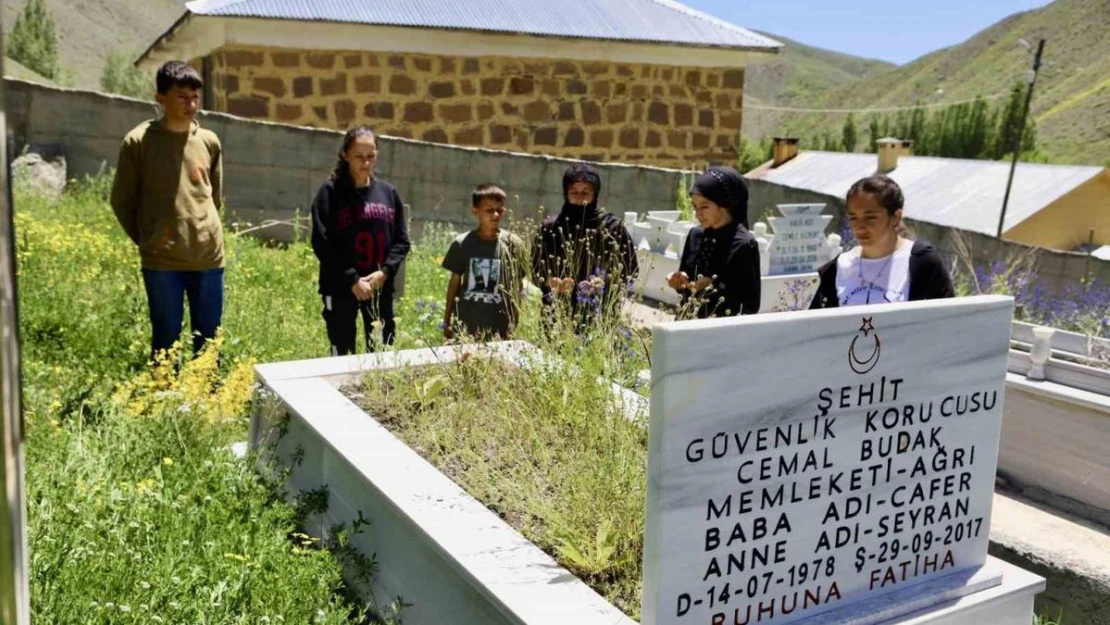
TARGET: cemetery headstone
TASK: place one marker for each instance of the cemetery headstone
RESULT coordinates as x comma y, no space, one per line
831,466
799,244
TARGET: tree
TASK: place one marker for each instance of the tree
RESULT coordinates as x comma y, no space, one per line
33,41
978,135
120,76
886,128
1009,124
974,130
754,154
1029,139
873,128
849,138
917,125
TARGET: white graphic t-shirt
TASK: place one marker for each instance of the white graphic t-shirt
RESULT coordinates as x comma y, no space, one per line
862,281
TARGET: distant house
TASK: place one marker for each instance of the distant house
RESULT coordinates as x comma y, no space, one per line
648,81
1051,206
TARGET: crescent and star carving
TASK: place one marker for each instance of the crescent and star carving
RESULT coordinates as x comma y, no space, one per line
862,366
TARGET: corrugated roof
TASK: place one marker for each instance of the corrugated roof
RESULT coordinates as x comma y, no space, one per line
655,21
958,193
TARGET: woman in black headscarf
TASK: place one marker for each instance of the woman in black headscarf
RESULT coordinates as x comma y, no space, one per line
718,275
584,256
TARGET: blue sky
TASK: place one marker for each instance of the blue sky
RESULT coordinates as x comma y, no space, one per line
891,30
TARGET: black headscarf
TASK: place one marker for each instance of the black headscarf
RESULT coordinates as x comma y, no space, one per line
576,215
725,187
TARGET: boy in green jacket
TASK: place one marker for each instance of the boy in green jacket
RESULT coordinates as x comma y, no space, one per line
166,196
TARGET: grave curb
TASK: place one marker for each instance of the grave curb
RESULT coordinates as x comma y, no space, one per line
1078,588
439,549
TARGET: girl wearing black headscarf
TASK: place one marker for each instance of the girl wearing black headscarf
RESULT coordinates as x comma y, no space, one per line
719,269
584,256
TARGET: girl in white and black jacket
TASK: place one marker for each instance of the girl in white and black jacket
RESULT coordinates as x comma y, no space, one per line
360,237
884,267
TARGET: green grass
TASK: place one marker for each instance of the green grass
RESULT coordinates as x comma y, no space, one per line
545,447
138,512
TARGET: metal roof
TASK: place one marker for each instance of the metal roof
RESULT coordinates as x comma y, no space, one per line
958,193
654,21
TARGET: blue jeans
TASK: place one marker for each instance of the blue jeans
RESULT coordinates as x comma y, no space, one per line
166,292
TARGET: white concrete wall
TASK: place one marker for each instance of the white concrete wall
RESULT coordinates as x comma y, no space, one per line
1057,438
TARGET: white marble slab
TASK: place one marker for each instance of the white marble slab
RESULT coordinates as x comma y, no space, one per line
799,244
771,471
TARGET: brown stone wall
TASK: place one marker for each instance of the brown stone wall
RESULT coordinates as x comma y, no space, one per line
659,115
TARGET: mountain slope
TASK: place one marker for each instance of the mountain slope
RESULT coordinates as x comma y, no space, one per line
1071,102
796,74
89,30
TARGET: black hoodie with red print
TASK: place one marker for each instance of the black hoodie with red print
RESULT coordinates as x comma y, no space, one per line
356,232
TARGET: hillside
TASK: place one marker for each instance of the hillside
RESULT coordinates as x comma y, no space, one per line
1071,103
796,74
89,30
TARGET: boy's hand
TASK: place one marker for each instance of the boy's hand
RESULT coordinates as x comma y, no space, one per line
375,280
678,280
362,289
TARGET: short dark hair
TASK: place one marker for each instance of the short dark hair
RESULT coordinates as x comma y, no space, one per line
885,190
484,191
177,74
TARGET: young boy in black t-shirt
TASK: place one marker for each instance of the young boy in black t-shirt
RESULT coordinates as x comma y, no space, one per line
483,296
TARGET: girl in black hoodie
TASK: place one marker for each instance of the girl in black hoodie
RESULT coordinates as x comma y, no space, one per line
884,267
584,256
718,274
360,237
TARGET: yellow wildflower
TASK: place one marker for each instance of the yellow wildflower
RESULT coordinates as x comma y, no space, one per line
167,461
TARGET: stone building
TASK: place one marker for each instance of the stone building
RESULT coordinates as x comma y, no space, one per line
643,81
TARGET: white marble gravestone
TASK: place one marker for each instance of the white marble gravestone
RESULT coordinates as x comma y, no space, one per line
831,466
799,244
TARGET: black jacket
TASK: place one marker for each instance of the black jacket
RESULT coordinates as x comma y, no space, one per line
566,249
356,232
929,278
731,257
